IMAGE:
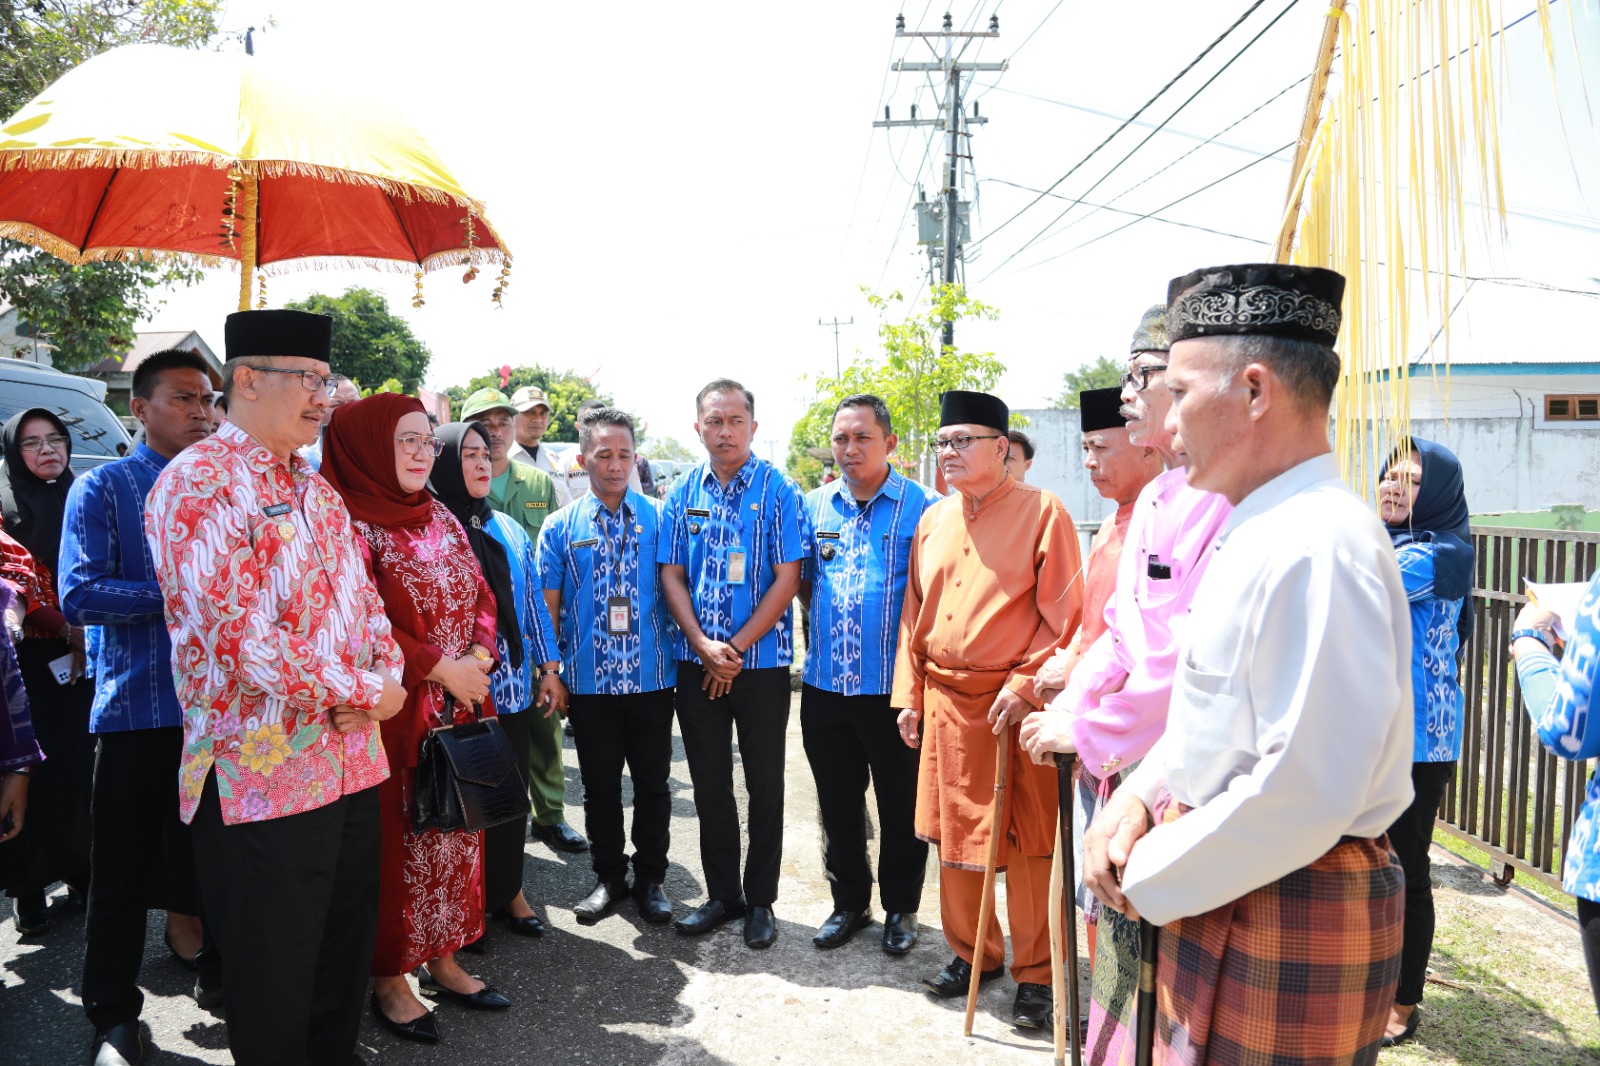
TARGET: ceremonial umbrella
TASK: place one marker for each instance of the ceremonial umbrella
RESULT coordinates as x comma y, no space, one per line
222,158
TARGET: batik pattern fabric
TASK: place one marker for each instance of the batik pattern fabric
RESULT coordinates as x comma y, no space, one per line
32,582
18,747
857,561
1435,640
274,622
1561,701
759,513
513,687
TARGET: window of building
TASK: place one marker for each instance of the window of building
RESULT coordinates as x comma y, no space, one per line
1568,408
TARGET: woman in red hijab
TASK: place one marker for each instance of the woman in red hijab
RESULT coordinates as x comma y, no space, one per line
378,453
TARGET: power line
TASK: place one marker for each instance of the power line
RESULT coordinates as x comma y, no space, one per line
1152,216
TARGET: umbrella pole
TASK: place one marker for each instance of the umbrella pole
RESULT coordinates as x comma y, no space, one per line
1002,761
245,217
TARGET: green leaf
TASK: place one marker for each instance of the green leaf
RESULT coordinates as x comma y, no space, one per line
305,737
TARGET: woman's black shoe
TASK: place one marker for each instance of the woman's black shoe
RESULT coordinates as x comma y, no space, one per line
1408,1032
424,1030
485,998
31,914
529,926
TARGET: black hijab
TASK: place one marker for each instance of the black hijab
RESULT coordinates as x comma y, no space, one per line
33,507
450,489
1439,517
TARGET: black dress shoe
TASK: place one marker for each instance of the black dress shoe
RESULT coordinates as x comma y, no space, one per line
652,902
840,927
485,998
560,836
709,915
529,926
954,978
31,914
601,902
1033,1008
899,933
760,928
117,1045
424,1030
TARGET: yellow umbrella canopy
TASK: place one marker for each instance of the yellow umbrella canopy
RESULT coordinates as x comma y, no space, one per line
148,150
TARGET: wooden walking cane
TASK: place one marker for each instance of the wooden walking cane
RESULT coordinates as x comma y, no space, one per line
1002,761
1058,985
1145,1006
1066,791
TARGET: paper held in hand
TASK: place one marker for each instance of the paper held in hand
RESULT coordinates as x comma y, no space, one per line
1561,601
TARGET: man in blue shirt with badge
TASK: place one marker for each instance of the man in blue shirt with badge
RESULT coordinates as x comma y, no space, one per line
730,574
854,582
108,580
598,561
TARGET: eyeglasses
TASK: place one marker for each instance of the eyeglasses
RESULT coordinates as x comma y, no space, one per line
1139,376
961,444
418,443
309,379
38,444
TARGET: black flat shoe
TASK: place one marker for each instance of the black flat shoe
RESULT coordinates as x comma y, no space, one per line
954,979
652,902
709,915
188,963
529,926
1409,1031
1032,1008
560,836
209,999
840,927
760,928
485,998
899,933
601,902
424,1030
117,1045
30,914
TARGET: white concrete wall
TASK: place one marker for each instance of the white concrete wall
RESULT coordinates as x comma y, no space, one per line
1511,464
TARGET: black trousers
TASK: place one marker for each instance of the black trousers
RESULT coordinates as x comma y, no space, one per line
758,706
1411,836
1589,925
848,739
505,845
137,843
293,904
609,731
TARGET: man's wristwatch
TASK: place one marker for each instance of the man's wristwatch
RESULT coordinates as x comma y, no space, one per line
554,671
1532,634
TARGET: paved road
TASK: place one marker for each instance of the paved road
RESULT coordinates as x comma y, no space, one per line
620,992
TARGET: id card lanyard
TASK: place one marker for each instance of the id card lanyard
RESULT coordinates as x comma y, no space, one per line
619,608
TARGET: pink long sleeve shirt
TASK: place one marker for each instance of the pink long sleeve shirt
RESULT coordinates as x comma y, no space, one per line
1119,691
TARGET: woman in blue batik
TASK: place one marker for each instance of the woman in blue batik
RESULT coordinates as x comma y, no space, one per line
1423,501
1561,701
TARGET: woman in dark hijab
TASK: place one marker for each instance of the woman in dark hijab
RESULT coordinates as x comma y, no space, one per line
1422,500
54,844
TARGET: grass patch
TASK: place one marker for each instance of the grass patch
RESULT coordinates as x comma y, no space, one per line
1482,860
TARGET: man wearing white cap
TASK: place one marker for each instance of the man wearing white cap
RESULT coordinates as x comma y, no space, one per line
531,421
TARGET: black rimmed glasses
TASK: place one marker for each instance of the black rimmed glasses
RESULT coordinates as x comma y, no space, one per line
1139,377
420,444
962,443
310,380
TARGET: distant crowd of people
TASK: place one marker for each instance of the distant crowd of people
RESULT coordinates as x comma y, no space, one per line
251,667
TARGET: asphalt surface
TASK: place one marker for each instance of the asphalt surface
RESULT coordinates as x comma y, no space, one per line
618,992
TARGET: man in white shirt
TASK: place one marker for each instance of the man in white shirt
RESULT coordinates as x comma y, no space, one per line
1288,745
528,425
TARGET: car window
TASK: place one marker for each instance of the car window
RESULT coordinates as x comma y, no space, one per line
95,430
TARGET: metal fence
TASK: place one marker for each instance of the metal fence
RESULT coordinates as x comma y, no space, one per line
1510,797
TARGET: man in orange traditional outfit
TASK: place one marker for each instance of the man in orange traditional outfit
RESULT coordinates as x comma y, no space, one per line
993,590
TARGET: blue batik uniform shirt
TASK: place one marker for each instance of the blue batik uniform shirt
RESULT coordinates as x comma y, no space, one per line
512,687
857,562
1435,686
759,513
108,580
589,555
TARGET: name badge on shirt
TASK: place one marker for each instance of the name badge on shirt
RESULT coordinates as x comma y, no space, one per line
590,543
827,549
736,560
536,505
276,509
1158,570
695,514
619,615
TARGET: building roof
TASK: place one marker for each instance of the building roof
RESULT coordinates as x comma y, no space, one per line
147,344
1500,324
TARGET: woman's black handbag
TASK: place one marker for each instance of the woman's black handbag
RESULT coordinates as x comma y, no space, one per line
467,776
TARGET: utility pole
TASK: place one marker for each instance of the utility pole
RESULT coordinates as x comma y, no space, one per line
949,212
836,324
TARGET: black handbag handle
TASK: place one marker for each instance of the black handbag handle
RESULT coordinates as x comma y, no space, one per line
448,712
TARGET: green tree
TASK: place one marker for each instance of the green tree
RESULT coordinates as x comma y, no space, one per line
85,312
371,344
672,449
566,389
1103,373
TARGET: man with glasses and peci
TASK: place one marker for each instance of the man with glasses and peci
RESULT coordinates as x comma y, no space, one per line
285,663
993,590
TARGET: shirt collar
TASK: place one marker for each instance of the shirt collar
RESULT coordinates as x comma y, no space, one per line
1005,488
624,509
893,487
149,456
257,455
1291,482
740,480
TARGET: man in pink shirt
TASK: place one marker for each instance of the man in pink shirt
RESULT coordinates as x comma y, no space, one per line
1114,707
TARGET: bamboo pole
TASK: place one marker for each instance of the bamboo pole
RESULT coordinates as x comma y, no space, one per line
245,218
1066,907
1058,984
1308,127
997,809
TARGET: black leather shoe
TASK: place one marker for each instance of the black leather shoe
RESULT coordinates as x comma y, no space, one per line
1408,1032
760,928
207,998
117,1045
424,1030
954,978
840,927
1032,1008
899,933
709,915
485,998
601,902
652,902
31,914
529,926
560,836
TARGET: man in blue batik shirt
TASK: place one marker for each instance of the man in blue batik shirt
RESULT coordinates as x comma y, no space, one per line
109,581
854,582
730,574
598,563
